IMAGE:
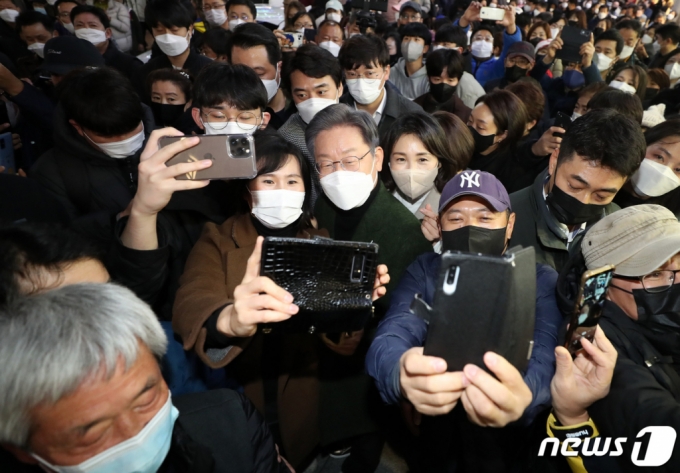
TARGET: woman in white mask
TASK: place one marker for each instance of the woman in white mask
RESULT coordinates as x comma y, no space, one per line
229,100
223,298
657,181
632,80
422,158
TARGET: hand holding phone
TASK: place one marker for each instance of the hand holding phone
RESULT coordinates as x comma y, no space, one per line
562,120
572,40
156,181
588,307
495,14
233,156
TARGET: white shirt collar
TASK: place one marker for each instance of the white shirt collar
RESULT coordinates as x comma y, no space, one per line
565,229
377,116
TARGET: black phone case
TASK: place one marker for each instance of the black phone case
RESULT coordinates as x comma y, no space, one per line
331,282
483,303
572,37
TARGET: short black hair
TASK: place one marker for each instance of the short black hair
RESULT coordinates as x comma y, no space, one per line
31,18
168,13
312,61
669,30
484,27
445,59
417,30
96,11
219,40
110,107
247,3
364,50
28,248
522,21
237,85
630,25
61,2
273,152
612,35
451,34
662,131
623,102
605,137
545,16
250,35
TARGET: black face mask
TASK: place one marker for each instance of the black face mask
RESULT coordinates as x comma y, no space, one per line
442,92
597,32
514,73
658,312
569,210
651,93
535,41
166,114
475,240
482,142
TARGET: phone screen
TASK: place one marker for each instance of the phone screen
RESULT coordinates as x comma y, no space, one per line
588,309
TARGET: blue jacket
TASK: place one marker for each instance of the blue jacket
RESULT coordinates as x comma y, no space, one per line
494,67
401,330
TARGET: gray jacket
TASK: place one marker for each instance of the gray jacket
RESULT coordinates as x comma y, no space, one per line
469,90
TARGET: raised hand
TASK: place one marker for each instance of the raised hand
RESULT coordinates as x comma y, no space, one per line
257,300
580,382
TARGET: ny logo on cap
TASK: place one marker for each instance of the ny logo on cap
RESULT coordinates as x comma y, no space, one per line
472,179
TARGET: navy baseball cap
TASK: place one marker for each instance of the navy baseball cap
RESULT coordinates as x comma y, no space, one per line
477,183
66,53
524,49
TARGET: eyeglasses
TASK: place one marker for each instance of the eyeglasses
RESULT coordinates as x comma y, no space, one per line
350,163
214,6
308,26
244,120
409,18
64,14
368,75
657,281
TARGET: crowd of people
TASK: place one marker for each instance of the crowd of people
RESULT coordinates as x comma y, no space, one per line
136,331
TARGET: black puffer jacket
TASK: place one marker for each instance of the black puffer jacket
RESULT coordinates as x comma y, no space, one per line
89,184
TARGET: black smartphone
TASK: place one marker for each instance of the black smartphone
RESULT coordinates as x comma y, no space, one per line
573,38
588,307
562,120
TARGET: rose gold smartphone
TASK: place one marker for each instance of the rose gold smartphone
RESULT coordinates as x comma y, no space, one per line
233,156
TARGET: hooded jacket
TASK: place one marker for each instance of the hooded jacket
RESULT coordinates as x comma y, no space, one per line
412,86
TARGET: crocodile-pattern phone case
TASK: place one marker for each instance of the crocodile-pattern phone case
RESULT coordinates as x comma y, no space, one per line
331,281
